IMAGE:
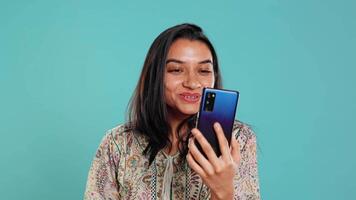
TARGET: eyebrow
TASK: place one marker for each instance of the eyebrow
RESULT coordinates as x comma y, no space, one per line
181,62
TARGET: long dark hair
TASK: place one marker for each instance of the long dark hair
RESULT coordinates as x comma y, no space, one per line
147,112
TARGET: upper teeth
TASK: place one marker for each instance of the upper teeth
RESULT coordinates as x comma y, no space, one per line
190,97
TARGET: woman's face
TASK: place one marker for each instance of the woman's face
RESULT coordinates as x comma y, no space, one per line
189,68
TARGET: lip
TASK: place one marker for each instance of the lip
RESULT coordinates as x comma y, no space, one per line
190,97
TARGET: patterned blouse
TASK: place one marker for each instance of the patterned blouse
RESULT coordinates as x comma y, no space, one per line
120,171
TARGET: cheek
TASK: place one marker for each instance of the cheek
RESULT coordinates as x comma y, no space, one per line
208,82
171,85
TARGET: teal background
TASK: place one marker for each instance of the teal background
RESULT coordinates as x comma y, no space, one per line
68,69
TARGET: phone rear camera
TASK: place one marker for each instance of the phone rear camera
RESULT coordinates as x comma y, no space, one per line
209,102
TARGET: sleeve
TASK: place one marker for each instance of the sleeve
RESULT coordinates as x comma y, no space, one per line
246,181
102,182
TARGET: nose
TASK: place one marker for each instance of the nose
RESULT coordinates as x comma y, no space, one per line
191,81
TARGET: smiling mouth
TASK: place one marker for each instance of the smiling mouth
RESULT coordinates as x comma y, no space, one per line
190,98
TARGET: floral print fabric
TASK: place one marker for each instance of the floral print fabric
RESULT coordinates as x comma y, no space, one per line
120,171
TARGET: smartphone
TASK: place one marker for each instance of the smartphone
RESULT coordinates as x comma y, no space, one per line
216,105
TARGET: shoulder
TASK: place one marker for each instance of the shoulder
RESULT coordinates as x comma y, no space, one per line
119,132
122,137
243,133
116,137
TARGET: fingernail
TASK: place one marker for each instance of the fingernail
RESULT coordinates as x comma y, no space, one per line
216,125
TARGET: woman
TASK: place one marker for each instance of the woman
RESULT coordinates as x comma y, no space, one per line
153,155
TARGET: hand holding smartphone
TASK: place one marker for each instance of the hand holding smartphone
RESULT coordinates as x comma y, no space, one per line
217,105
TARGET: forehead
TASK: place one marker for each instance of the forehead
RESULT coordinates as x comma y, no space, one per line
189,51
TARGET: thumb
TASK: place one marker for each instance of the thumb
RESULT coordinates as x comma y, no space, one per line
235,150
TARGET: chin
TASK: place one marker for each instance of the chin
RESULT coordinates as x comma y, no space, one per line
191,111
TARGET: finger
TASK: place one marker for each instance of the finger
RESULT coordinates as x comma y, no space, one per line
206,147
195,166
224,145
235,150
199,157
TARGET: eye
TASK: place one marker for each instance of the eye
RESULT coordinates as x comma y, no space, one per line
175,70
205,71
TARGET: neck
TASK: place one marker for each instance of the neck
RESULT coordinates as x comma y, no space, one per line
174,121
